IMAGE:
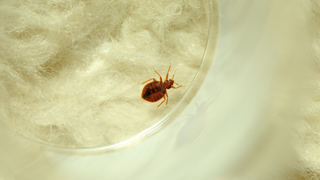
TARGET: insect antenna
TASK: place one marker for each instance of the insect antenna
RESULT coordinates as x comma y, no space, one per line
168,72
175,72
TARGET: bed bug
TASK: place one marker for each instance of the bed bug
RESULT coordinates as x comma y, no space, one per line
156,90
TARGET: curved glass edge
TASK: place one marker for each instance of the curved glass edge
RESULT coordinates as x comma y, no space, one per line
5,132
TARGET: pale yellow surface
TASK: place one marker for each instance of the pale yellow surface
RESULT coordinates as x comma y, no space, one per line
257,67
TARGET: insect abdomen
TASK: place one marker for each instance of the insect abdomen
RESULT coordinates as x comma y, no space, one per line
156,96
152,92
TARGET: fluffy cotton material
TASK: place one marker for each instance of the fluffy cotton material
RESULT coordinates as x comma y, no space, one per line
70,70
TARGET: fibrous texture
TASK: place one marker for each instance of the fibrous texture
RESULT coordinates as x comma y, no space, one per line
70,69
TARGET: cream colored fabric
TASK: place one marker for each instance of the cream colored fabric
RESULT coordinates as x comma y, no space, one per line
70,70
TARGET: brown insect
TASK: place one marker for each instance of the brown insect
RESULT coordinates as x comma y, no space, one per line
156,90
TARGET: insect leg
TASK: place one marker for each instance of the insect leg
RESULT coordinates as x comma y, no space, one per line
168,72
176,87
149,80
167,99
161,102
158,74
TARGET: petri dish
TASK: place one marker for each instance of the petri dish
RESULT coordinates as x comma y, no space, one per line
226,122
85,89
